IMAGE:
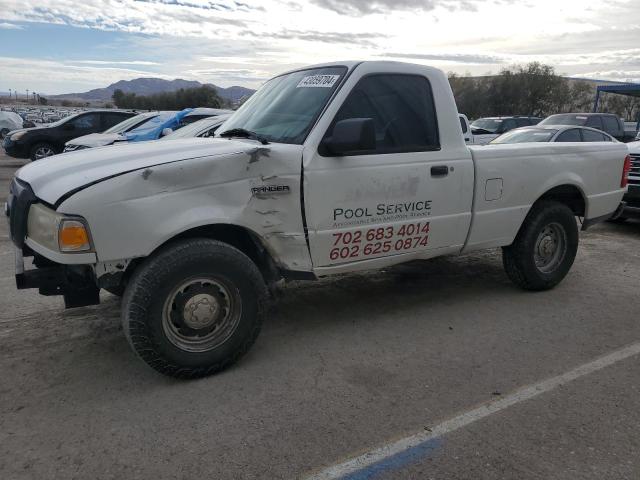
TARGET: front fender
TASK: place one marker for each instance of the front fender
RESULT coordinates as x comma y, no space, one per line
131,215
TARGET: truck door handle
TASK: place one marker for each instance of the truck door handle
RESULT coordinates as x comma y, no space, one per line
440,171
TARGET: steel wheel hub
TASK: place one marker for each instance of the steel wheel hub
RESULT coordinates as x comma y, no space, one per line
200,311
201,314
550,247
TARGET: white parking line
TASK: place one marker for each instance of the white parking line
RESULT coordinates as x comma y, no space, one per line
375,460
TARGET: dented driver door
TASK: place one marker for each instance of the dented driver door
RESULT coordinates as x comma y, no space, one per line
410,198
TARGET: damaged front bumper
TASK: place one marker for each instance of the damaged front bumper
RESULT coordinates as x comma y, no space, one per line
76,283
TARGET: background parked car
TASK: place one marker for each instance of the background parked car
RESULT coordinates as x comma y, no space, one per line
632,197
39,142
117,132
9,121
553,133
203,112
486,129
202,128
144,127
607,122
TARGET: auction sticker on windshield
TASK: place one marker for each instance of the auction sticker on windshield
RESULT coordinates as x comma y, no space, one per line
322,81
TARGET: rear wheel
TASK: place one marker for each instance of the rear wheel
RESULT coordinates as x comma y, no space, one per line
195,308
544,249
42,150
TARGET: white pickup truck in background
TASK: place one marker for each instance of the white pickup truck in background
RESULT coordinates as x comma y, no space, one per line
328,169
467,134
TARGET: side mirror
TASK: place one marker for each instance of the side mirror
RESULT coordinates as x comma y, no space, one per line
166,131
351,135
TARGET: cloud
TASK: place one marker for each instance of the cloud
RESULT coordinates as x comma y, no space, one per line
110,62
632,76
366,7
236,41
465,58
364,38
134,16
10,26
54,77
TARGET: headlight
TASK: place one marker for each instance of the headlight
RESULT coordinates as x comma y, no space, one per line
17,136
56,231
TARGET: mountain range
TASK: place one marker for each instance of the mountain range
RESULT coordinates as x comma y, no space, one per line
149,86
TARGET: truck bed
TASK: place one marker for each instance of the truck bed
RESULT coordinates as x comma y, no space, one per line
502,199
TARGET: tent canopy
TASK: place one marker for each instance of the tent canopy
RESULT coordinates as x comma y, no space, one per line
628,89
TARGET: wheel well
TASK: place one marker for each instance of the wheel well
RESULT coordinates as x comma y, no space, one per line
570,195
240,238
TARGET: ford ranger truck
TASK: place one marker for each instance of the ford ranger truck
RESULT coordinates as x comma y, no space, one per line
329,169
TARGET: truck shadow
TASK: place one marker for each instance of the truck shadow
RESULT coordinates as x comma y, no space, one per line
395,290
89,342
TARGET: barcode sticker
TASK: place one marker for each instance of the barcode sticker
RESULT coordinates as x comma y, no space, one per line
318,81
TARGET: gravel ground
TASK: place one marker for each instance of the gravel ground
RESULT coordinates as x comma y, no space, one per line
342,366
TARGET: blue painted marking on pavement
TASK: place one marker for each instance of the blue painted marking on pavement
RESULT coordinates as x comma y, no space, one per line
397,461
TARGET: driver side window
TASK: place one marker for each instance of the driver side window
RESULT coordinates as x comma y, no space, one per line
91,120
402,110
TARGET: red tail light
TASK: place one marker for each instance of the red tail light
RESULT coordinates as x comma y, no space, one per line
625,171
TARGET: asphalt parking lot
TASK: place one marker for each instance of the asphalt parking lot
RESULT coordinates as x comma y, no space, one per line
466,376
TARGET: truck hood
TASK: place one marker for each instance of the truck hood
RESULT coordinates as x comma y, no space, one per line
53,177
96,139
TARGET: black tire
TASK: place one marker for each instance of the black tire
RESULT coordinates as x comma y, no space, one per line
155,308
524,260
34,153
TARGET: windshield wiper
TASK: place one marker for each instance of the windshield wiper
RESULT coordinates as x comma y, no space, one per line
241,132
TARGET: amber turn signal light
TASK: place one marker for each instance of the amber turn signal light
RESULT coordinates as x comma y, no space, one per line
73,236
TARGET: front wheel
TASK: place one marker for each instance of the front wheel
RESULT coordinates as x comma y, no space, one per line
194,308
41,150
544,249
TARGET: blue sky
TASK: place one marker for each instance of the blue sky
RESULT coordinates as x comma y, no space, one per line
62,46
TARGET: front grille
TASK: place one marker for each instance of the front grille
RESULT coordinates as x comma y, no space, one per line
634,173
20,199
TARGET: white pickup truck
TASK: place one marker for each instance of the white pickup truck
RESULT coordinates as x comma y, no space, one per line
325,170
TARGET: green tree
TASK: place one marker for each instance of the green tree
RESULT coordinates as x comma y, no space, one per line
532,89
117,97
204,96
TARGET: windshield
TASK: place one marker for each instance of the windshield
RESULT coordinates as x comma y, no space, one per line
565,120
129,123
489,124
285,108
525,136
